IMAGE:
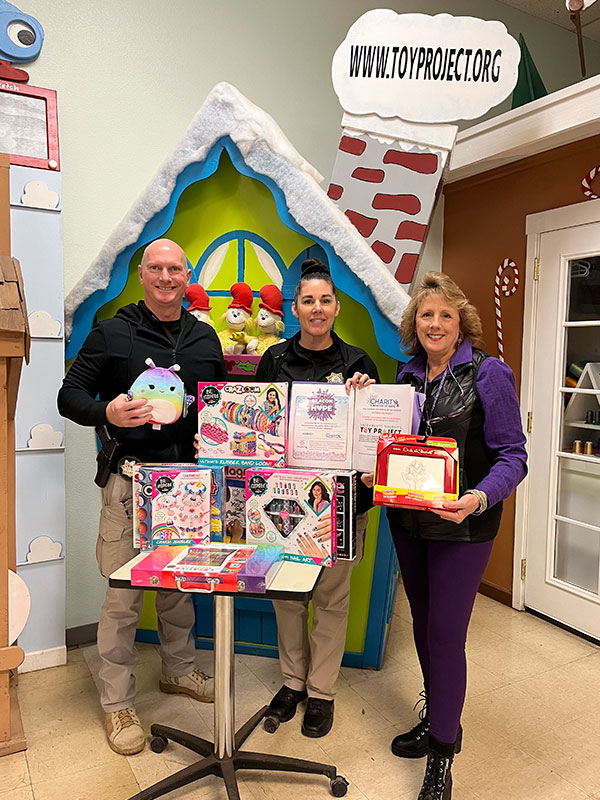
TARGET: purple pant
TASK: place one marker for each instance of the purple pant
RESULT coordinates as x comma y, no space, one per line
441,581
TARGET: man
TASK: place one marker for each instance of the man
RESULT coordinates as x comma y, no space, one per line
112,356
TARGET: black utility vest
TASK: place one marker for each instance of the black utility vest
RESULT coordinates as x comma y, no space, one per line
466,426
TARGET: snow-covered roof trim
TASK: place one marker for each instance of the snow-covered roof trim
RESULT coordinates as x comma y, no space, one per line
266,150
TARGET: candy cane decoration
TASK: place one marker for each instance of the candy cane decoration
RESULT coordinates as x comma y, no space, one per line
502,283
586,184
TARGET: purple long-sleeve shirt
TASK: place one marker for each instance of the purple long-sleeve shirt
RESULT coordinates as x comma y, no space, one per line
501,420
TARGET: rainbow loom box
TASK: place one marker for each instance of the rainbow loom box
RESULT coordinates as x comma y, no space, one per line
285,507
242,424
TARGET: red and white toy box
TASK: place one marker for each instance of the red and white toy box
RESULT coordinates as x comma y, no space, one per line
415,471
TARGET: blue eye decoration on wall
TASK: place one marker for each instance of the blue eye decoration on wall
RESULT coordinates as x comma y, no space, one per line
21,39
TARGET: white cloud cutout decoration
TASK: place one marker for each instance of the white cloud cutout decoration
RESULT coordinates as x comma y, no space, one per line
43,548
424,69
44,437
19,606
42,325
38,195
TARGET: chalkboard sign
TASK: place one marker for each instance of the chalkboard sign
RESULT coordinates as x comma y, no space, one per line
29,125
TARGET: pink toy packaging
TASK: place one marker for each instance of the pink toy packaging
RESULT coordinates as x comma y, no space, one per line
295,509
181,508
242,424
143,480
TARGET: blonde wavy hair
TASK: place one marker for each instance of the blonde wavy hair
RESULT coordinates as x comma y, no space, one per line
439,283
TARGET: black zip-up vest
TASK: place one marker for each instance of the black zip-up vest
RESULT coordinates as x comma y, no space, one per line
466,426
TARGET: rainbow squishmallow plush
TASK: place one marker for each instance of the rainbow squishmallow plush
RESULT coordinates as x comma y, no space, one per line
164,390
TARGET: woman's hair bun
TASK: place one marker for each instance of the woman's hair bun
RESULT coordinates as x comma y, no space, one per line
313,265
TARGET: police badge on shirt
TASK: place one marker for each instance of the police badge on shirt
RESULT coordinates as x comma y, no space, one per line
335,377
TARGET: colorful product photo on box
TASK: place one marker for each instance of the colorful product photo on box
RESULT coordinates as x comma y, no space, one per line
242,424
295,509
181,506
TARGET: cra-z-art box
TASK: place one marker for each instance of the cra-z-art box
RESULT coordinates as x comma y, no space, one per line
242,424
415,471
293,508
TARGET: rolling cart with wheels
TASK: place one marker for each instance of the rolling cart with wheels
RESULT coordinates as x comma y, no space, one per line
223,757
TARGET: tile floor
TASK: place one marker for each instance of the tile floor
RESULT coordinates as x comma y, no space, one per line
532,723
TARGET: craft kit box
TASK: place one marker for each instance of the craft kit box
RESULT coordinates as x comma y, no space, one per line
415,472
292,508
207,568
176,504
345,506
242,424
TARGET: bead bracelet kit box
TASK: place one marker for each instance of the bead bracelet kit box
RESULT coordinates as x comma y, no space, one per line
415,471
181,506
242,424
176,504
295,509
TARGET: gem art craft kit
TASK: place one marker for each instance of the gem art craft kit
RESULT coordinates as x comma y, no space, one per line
242,424
415,471
295,509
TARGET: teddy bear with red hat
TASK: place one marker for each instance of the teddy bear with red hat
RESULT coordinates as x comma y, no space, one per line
234,339
199,306
269,318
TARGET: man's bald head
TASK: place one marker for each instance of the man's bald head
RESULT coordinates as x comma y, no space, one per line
165,275
164,246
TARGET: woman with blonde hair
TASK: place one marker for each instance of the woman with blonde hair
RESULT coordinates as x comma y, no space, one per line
471,397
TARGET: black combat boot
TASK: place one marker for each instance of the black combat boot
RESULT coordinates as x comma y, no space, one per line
413,743
437,783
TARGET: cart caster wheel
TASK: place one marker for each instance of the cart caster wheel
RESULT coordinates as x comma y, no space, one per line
159,743
339,786
271,724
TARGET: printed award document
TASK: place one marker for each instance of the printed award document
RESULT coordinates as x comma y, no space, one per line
321,418
379,409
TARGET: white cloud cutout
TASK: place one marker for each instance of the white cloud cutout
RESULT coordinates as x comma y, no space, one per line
38,195
44,437
41,324
424,69
43,548
19,606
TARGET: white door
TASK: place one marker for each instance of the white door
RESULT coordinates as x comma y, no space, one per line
562,514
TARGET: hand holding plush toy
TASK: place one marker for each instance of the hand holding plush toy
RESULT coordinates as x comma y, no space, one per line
269,318
234,339
164,392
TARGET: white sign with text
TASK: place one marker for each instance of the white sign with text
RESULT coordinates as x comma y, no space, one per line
424,69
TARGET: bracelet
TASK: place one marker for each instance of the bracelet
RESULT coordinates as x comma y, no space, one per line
483,501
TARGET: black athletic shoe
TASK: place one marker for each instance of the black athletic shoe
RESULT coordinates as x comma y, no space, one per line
318,717
283,705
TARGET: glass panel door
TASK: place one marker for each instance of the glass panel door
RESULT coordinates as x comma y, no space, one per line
563,520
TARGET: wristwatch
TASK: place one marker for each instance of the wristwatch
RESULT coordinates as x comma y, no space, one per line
483,501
